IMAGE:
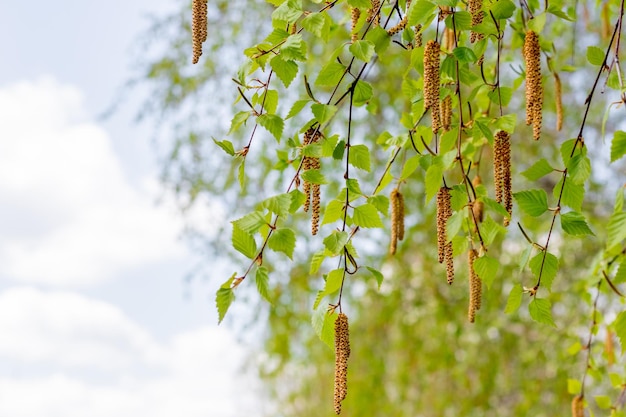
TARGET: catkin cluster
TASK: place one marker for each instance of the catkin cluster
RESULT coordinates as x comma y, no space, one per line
355,14
534,89
373,13
444,247
400,26
446,113
431,82
475,8
502,171
478,207
198,27
397,219
342,352
475,287
312,191
558,98
578,407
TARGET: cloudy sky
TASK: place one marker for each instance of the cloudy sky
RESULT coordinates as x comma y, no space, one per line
95,316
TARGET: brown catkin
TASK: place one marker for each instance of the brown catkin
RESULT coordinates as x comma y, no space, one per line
400,26
355,14
475,8
578,407
444,248
475,287
502,171
418,36
449,39
534,89
558,99
397,219
312,191
609,347
446,113
342,352
373,13
431,82
198,27
478,208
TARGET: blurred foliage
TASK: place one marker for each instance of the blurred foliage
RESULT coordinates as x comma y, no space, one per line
413,351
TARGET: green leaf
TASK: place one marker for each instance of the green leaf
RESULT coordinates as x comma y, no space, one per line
363,50
502,9
226,145
486,268
297,199
410,166
294,48
464,54
323,112
381,202
595,55
579,168
285,70
419,12
525,257
567,150
269,101
455,223
333,281
296,108
620,275
540,311
538,170
238,120
575,224
506,123
360,3
559,13
331,74
363,92
550,268
316,262
339,150
489,229
462,21
367,216
243,242
619,325
262,283
289,11
317,24
573,386
353,186
273,123
377,274
603,401
336,241
379,37
283,240
360,157
433,180
251,222
333,212
514,300
278,204
313,176
495,206
618,145
323,323
224,298
573,194
616,229
532,202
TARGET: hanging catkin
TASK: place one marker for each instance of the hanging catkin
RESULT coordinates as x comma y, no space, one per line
418,36
446,113
475,8
578,407
355,14
444,248
400,26
502,171
478,206
475,287
534,89
397,219
312,191
558,99
373,13
198,27
342,352
431,82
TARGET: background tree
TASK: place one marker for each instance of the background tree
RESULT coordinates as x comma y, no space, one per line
350,104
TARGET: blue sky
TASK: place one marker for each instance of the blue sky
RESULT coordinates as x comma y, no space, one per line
95,316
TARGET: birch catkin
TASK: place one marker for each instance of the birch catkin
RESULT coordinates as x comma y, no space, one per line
558,98
475,287
534,89
444,248
502,171
578,407
446,113
431,82
478,207
397,219
475,8
373,13
312,191
355,14
198,27
342,352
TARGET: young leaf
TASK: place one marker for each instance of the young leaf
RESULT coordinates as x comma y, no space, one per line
377,274
550,268
595,55
223,299
273,123
464,54
579,168
238,120
572,196
618,145
538,170
532,202
262,283
333,281
575,224
318,24
616,229
363,50
243,242
381,202
367,216
419,12
433,180
324,325
297,199
316,262
619,325
330,74
539,309
296,108
283,240
486,268
278,204
285,70
294,48
360,157
226,146
336,241
363,92
323,112
251,222
289,11
333,212
502,9
620,275
514,300
314,176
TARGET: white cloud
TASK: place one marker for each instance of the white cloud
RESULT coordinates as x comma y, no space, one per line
55,339
69,216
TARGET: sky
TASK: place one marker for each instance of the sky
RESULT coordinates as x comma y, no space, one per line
96,318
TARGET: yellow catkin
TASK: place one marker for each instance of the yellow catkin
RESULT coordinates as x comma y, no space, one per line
373,13
558,99
446,113
396,200
502,171
342,352
475,8
418,36
198,27
355,14
534,88
431,82
315,205
475,287
578,407
444,248
609,348
449,39
400,26
478,208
